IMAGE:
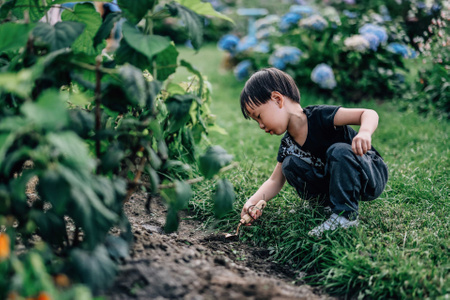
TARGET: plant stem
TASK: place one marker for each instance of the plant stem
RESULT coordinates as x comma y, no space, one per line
132,189
98,101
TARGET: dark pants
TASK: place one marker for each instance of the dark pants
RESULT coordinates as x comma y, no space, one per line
346,179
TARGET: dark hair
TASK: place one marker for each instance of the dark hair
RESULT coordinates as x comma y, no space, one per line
258,89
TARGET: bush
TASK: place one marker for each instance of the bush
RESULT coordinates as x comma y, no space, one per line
365,50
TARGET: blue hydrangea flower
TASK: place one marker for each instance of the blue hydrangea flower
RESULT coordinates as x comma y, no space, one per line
385,13
243,69
403,50
323,75
228,43
246,43
288,20
349,14
262,47
283,56
373,40
356,43
267,21
302,10
266,32
314,22
379,31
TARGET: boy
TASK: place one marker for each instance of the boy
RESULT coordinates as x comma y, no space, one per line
325,160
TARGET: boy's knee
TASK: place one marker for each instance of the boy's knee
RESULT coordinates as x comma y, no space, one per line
339,151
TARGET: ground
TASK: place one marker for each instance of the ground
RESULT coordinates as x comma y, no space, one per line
195,263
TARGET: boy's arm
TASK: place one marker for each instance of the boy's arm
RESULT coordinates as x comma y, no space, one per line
269,189
367,118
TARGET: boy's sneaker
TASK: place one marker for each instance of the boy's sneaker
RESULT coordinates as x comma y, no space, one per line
335,221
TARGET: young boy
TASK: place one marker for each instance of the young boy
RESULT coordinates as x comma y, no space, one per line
322,157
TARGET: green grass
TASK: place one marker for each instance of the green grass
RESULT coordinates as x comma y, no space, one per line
401,248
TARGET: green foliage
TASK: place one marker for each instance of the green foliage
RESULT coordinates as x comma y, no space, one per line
90,125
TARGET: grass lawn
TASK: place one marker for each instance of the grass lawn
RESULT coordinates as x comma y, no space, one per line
401,248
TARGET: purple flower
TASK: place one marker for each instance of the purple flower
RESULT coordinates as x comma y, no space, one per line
285,55
243,69
323,76
228,43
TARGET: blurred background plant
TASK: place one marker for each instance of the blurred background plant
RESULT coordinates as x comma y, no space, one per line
371,48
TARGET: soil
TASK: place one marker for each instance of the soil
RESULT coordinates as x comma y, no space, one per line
195,263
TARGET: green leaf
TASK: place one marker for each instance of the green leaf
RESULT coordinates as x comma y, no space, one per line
127,54
112,158
134,85
51,226
72,150
35,8
53,188
172,221
223,197
14,36
135,10
94,268
117,248
166,63
49,111
203,8
192,21
59,36
153,89
149,45
105,29
85,13
178,107
213,160
179,196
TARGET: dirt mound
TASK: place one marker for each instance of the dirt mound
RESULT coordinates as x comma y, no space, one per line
195,264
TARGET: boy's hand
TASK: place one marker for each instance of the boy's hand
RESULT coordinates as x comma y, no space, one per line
362,143
249,207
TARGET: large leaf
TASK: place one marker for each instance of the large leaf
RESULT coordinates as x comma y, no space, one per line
135,10
54,189
94,268
59,36
49,111
213,160
191,20
223,197
179,196
105,29
117,247
14,36
178,107
203,8
166,62
149,45
52,227
134,84
127,54
85,13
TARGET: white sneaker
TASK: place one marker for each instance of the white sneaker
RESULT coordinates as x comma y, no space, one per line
335,221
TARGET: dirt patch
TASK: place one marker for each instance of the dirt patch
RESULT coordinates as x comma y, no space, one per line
196,264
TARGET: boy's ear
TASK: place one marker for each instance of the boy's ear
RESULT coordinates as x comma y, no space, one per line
278,98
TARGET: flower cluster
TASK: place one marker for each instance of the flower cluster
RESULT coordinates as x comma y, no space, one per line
357,43
296,12
323,75
315,22
403,50
228,43
376,35
283,56
243,69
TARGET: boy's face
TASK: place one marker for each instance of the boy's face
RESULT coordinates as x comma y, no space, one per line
271,116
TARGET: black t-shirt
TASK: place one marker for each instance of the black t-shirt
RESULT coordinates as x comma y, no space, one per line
321,135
